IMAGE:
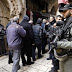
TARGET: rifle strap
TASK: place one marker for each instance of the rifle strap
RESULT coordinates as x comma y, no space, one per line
68,23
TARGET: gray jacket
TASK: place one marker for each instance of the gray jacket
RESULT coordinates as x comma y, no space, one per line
37,29
14,34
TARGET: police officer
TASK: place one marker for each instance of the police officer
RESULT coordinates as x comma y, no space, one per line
67,12
67,44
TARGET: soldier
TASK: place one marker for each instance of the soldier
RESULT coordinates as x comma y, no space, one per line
67,44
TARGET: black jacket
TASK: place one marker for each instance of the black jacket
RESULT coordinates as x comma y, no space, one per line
29,39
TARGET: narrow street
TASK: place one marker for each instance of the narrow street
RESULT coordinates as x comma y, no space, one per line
40,65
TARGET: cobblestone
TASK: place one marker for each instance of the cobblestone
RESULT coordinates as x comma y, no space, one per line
40,65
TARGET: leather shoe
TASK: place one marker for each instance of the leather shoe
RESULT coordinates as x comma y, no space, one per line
49,58
29,63
44,52
10,62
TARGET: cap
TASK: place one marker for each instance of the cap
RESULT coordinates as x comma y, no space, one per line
61,5
70,7
39,21
66,7
26,17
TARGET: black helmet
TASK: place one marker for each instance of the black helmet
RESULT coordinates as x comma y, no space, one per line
70,7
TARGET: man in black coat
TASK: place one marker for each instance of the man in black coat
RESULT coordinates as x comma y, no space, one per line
28,41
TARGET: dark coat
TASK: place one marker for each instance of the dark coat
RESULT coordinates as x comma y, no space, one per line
29,39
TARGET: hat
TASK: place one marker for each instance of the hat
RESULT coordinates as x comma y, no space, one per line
26,17
70,7
61,5
39,21
66,7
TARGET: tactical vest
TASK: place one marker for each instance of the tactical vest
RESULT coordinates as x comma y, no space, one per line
67,36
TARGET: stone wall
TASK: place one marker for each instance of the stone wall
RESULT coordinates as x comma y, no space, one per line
4,12
52,6
31,6
10,8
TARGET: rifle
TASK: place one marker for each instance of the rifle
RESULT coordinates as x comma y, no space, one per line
61,34
63,30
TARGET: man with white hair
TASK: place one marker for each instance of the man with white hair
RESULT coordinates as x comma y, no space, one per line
14,33
30,22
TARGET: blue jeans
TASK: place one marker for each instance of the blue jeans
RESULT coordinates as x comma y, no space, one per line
16,59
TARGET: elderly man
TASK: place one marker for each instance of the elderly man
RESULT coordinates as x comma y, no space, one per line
14,33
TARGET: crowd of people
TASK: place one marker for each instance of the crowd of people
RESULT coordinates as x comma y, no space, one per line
23,38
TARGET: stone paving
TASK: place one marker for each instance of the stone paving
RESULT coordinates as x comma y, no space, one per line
40,65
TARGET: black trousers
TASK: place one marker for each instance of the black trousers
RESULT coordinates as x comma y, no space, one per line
39,47
26,50
22,55
2,46
55,62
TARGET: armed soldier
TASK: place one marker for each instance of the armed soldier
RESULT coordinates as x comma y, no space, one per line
67,43
66,33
